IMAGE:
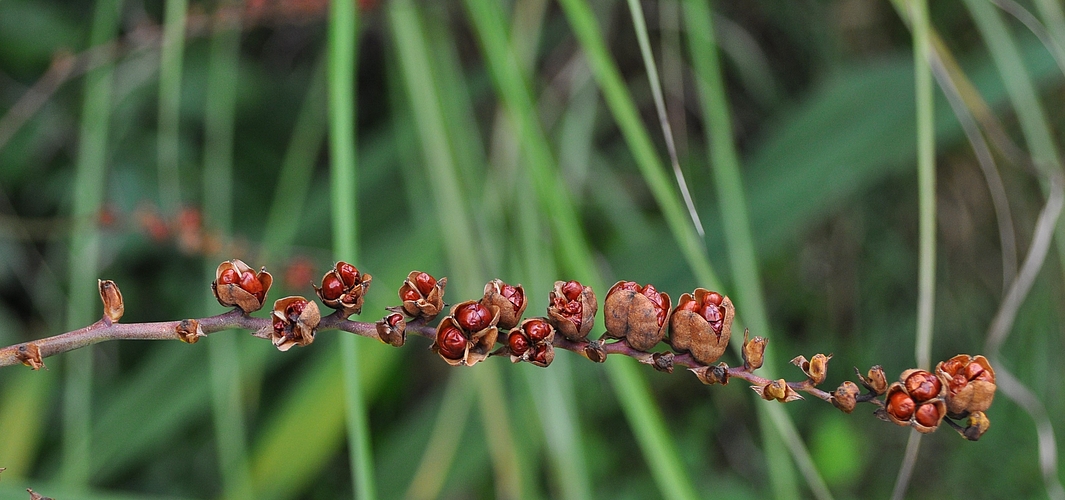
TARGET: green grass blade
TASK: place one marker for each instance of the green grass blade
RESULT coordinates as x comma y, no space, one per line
725,163
926,182
343,24
89,187
227,396
170,72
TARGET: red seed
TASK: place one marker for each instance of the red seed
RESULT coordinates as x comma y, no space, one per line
407,293
927,415
229,276
540,354
293,310
349,275
572,290
518,343
690,306
537,330
393,319
332,287
715,315
279,325
713,298
514,295
922,386
451,342
251,284
473,317
900,406
973,370
425,283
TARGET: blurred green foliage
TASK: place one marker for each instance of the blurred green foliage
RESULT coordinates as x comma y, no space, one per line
822,107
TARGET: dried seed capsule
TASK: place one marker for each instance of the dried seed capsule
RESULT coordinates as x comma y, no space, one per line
978,425
295,321
876,382
343,288
753,351
422,295
845,396
571,309
509,299
236,284
476,333
636,314
392,330
970,383
778,390
702,324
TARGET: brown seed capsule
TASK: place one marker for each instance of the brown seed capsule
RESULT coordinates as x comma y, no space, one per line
876,382
112,299
541,355
702,324
509,299
571,309
476,324
594,352
970,383
531,341
978,424
753,351
900,406
343,288
815,369
451,343
711,375
636,314
778,390
845,396
236,284
921,385
392,330
295,320
422,295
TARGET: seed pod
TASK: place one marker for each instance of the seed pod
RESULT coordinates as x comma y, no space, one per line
970,383
778,390
295,320
636,314
112,299
510,300
753,351
571,310
236,284
343,288
845,396
702,325
876,382
29,354
422,295
531,341
392,330
711,375
467,335
815,369
978,425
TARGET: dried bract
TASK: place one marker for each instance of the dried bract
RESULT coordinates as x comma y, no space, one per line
30,355
343,288
295,320
875,381
112,299
189,331
422,295
636,314
970,383
702,324
237,284
778,390
509,299
571,309
711,375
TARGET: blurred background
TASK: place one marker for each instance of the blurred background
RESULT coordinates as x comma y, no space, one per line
145,141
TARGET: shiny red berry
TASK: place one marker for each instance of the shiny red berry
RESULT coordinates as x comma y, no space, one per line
228,277
518,343
474,317
332,287
900,406
425,283
349,275
537,330
451,342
